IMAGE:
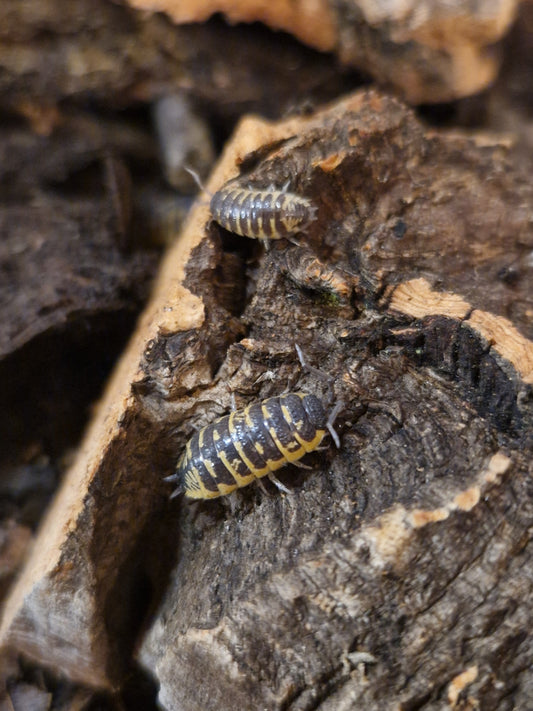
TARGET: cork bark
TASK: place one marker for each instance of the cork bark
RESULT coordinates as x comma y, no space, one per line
426,51
395,573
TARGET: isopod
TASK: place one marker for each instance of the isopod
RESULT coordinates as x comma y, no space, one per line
252,443
261,214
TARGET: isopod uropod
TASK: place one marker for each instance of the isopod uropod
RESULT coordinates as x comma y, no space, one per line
251,443
261,214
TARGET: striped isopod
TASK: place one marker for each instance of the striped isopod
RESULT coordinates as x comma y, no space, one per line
261,214
251,443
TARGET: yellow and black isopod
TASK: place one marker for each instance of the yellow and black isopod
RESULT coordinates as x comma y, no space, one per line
252,443
261,214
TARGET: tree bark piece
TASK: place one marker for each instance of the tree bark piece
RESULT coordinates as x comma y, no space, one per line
73,280
312,23
14,542
390,575
110,53
429,51
87,564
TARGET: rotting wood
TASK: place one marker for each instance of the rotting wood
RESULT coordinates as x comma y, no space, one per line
398,563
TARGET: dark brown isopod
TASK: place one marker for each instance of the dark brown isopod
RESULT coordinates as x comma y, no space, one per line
252,443
261,214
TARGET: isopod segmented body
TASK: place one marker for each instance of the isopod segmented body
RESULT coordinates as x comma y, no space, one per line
251,443
261,214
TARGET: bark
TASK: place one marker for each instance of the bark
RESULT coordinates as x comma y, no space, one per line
396,572
74,276
427,51
393,574
97,50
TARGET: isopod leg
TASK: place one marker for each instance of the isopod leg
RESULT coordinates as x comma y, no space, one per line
329,424
177,491
278,483
317,372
